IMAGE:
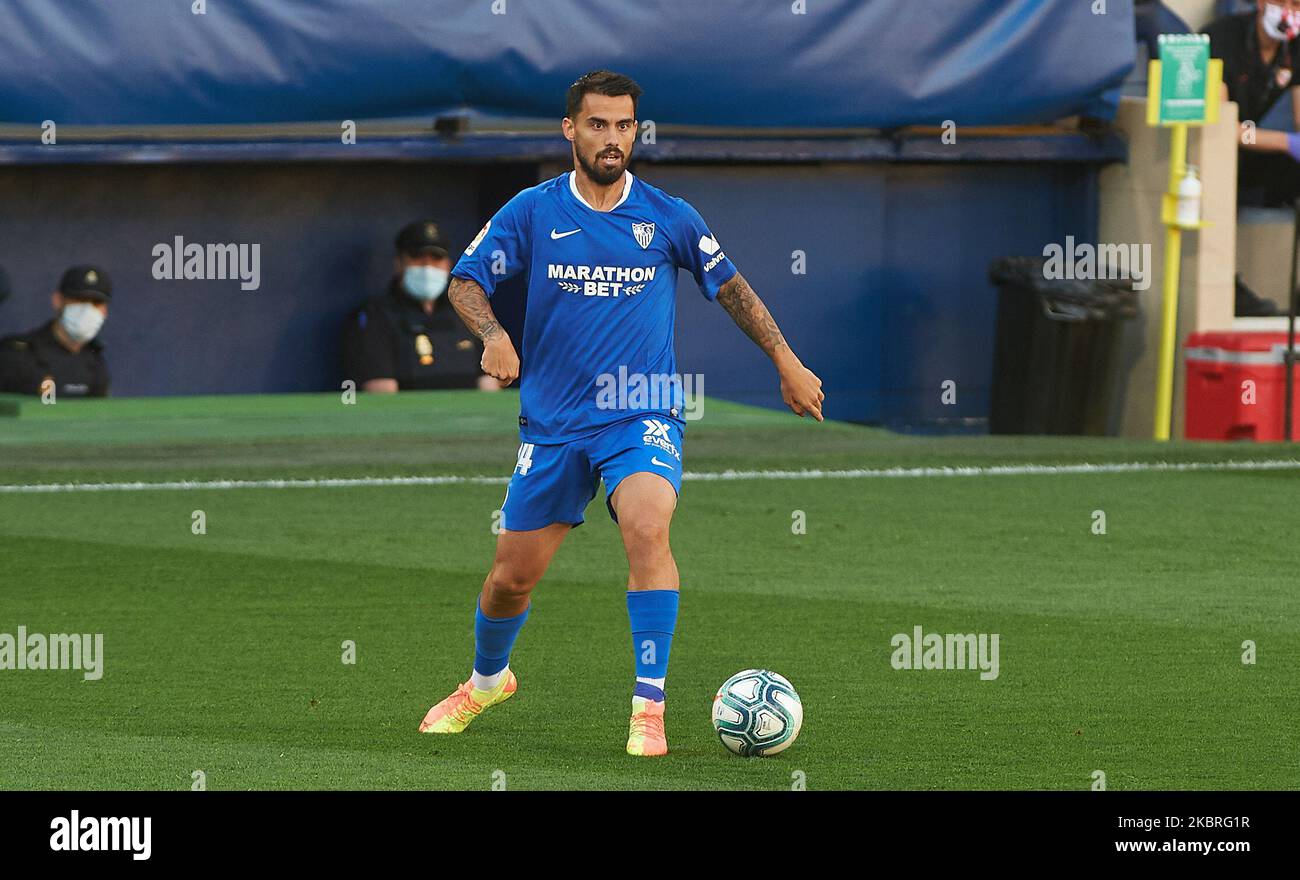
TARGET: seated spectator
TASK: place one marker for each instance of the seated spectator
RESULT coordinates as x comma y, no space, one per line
408,337
63,351
1258,64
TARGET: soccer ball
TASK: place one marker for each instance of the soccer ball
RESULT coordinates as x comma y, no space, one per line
757,712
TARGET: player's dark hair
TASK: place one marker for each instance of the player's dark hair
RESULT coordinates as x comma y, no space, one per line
601,82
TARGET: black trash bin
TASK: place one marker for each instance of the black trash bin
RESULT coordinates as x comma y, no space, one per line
1054,359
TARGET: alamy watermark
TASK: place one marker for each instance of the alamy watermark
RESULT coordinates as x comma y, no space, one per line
57,651
681,396
923,650
1101,262
78,833
179,261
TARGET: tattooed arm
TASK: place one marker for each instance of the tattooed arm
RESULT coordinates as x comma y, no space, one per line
800,387
500,361
471,303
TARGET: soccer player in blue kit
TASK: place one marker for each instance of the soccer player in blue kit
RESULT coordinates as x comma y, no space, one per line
602,249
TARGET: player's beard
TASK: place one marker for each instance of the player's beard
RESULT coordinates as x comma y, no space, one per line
598,175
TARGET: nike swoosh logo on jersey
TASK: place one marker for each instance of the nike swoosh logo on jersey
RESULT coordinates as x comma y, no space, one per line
654,459
555,235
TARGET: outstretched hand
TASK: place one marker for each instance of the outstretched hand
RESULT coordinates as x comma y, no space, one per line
802,391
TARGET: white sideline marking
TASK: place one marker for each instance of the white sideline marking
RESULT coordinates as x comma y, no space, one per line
1013,470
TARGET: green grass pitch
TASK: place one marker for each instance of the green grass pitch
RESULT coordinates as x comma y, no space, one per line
1119,652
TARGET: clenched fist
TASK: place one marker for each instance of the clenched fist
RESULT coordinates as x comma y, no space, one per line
500,361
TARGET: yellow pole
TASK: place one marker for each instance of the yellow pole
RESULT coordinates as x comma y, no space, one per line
1169,313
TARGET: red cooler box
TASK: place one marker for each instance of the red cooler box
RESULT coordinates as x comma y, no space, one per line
1236,386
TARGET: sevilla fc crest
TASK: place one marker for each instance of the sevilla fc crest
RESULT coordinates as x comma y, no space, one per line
644,232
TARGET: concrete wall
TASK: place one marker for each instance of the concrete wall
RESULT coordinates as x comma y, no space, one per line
325,235
1197,13
1264,247
894,299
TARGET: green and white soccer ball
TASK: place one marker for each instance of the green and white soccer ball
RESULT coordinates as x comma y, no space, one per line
757,712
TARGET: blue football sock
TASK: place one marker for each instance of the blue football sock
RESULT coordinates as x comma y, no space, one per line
653,614
493,639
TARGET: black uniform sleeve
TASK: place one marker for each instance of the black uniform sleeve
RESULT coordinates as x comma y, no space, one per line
369,350
19,371
1227,40
1226,44
100,388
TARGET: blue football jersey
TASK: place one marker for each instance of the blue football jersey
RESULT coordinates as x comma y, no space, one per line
602,291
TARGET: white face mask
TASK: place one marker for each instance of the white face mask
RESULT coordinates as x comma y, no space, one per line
425,283
1279,23
81,321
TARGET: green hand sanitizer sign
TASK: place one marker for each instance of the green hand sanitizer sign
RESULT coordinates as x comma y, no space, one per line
1184,71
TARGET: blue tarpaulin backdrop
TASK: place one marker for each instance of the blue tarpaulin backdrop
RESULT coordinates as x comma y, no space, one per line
843,63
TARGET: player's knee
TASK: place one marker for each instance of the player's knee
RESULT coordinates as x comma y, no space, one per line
508,582
646,534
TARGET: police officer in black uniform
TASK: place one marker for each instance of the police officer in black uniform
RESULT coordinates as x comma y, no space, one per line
409,337
64,351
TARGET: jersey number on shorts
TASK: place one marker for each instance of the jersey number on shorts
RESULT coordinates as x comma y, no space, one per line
525,460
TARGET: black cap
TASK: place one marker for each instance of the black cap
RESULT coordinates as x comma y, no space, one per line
86,282
422,237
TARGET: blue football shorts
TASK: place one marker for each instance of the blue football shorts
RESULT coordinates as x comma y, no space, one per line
555,482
